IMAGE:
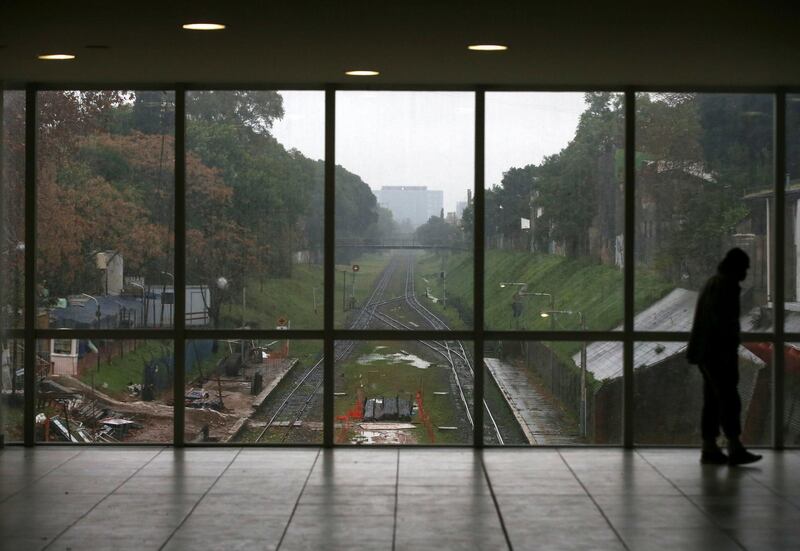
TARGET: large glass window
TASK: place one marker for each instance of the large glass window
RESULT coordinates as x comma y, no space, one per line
668,394
792,224
254,391
98,391
405,392
791,418
554,210
555,393
254,209
105,204
404,177
12,211
12,389
704,181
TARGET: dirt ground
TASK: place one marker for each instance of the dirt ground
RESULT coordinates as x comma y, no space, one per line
156,417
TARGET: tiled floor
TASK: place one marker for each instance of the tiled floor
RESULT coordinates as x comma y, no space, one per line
153,498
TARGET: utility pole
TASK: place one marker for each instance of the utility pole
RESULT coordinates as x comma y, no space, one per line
533,222
583,413
584,405
353,291
344,290
443,276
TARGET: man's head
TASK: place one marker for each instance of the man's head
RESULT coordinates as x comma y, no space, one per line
735,264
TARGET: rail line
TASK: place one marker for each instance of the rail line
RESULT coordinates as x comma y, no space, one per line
294,406
456,356
296,403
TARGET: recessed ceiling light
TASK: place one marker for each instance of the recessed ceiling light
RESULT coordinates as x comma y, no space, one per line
362,73
487,47
203,26
56,57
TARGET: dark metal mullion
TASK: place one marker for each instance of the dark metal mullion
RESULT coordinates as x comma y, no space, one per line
778,267
4,316
30,265
179,283
329,265
478,267
629,268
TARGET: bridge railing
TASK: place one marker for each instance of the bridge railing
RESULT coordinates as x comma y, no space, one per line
397,244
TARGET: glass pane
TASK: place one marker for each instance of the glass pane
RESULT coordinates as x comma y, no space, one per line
404,392
403,229
554,210
12,389
704,181
12,210
254,208
668,394
791,418
105,205
254,391
792,228
555,393
104,391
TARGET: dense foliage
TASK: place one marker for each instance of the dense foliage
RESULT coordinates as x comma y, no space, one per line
698,156
106,182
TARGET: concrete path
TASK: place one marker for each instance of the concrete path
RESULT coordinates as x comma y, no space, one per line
539,421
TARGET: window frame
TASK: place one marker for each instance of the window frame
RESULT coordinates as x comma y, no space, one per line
179,334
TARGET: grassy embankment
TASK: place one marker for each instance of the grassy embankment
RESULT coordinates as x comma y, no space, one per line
114,376
578,284
293,298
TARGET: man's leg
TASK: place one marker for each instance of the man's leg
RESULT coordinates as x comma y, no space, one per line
709,423
726,381
730,408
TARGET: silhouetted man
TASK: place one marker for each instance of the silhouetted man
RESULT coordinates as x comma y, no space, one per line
714,346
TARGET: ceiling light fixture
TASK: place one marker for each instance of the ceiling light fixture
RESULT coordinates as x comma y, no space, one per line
203,26
362,73
56,57
487,47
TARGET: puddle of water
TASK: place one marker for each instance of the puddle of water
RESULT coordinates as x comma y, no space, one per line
383,437
401,357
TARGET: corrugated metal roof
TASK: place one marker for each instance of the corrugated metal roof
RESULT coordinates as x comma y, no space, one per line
674,312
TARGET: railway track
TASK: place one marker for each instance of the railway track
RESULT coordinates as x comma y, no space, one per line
300,398
294,406
456,356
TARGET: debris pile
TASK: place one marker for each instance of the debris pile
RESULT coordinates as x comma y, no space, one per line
388,409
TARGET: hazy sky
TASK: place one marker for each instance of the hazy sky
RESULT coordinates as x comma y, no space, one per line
427,138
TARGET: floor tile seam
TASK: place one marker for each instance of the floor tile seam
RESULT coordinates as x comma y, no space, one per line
495,502
297,501
694,504
396,499
93,507
771,490
38,478
196,503
594,501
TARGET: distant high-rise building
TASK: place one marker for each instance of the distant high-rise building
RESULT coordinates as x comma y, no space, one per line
460,206
415,204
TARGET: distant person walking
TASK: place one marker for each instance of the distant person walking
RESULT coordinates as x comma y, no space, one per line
713,346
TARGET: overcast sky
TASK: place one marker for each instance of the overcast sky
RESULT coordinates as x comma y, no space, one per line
427,138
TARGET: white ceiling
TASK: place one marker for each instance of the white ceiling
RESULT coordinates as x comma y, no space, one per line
555,43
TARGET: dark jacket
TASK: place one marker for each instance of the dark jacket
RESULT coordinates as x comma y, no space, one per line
715,332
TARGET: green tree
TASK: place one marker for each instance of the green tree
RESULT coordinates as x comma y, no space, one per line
438,232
